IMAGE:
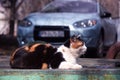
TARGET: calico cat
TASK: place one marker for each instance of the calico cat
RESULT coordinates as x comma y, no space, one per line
46,56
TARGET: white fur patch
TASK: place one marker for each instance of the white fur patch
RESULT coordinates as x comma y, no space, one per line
68,65
70,55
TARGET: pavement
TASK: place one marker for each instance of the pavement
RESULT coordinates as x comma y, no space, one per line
85,62
4,61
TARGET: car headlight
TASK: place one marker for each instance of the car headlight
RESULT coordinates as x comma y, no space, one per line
25,23
85,23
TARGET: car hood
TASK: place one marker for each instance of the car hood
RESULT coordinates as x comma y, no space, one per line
59,18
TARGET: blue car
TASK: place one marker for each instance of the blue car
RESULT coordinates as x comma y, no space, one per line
60,19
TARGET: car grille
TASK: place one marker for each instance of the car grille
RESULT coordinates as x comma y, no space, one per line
51,33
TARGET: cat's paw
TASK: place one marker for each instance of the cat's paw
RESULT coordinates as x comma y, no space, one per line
67,65
77,66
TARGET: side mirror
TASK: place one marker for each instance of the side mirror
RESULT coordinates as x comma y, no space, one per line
105,15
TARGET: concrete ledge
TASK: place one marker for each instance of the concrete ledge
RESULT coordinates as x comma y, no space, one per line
83,74
93,69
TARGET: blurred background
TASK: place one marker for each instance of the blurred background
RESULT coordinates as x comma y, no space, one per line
11,11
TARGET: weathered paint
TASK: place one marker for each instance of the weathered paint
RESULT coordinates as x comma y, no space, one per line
83,74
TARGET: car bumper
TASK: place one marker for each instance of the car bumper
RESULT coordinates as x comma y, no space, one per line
90,36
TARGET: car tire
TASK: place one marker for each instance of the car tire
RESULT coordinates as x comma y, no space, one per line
100,50
95,52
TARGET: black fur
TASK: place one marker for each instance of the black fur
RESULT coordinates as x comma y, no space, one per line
32,60
67,43
56,60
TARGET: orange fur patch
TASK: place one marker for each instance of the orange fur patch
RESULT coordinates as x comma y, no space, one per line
47,45
76,44
26,48
44,66
33,47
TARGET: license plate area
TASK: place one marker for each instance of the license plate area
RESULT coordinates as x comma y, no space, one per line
51,33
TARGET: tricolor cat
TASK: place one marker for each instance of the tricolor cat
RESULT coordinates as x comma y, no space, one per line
46,56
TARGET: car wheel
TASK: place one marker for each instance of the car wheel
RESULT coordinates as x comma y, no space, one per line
95,52
100,47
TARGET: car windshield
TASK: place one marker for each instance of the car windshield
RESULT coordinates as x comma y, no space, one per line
71,6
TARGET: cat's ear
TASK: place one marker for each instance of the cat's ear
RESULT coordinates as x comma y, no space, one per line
73,40
76,37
